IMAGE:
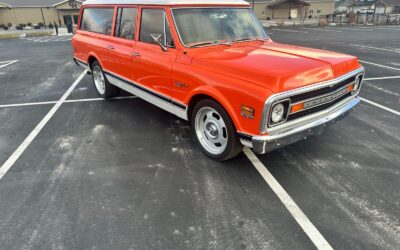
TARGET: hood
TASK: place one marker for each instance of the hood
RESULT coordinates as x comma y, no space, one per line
278,67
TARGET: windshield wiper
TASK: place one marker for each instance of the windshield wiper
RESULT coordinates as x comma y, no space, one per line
250,39
209,43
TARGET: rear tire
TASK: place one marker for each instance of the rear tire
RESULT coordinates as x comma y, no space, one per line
103,86
214,131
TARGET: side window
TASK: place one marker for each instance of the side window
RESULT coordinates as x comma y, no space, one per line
169,42
154,22
98,20
126,23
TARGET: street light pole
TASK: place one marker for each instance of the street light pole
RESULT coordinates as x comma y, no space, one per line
44,21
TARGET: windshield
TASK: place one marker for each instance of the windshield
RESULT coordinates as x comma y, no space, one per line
202,26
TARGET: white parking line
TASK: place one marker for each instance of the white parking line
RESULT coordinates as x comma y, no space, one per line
381,78
355,29
375,48
386,28
294,31
305,223
66,101
28,140
7,63
379,65
381,106
321,29
26,104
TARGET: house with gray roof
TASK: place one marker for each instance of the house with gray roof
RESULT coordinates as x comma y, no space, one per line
292,9
388,6
62,12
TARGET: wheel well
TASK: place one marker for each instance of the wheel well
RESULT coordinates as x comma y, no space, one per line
91,60
195,99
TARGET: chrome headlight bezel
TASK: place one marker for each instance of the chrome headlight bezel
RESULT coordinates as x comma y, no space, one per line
286,104
358,83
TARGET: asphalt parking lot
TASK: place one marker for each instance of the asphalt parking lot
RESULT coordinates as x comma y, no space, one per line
78,172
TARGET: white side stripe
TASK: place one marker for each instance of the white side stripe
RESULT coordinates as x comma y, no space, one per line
309,228
28,140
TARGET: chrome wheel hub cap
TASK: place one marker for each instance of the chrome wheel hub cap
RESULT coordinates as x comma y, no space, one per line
99,80
211,130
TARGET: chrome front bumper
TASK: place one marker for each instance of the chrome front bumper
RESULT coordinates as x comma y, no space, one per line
301,128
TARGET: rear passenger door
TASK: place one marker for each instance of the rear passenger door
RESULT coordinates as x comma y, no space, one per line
152,65
122,43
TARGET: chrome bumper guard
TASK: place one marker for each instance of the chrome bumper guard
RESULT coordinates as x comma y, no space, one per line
300,129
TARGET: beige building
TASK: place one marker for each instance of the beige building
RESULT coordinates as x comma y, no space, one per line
295,9
39,11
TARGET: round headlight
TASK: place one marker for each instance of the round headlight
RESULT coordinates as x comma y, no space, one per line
277,113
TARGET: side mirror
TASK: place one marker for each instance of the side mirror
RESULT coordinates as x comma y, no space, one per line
158,40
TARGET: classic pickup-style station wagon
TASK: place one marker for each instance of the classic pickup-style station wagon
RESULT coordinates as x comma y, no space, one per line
211,63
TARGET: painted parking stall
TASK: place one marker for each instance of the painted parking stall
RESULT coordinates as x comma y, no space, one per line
121,173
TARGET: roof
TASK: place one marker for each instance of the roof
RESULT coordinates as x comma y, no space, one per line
278,2
390,2
33,3
362,3
169,2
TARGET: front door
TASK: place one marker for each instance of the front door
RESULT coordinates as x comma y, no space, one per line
68,23
152,65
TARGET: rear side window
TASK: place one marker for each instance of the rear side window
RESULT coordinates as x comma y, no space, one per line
126,23
152,23
98,20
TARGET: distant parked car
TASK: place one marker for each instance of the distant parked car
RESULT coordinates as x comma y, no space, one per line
212,63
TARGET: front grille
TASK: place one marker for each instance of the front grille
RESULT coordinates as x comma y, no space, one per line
317,108
322,91
312,99
325,91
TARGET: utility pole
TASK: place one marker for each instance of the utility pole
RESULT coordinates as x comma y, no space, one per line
44,21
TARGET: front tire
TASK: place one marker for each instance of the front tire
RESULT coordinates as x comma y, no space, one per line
103,86
214,131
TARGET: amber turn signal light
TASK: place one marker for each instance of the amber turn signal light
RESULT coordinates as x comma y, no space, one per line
247,112
350,88
297,107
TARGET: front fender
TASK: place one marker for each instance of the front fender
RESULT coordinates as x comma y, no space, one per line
220,98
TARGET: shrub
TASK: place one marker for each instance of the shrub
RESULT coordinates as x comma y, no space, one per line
19,27
40,24
2,25
22,25
9,24
29,24
51,25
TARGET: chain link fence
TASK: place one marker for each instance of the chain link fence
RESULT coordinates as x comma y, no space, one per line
361,19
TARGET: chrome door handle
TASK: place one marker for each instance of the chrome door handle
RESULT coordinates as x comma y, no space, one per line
110,47
135,54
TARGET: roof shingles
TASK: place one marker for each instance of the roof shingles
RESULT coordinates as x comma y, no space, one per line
31,3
